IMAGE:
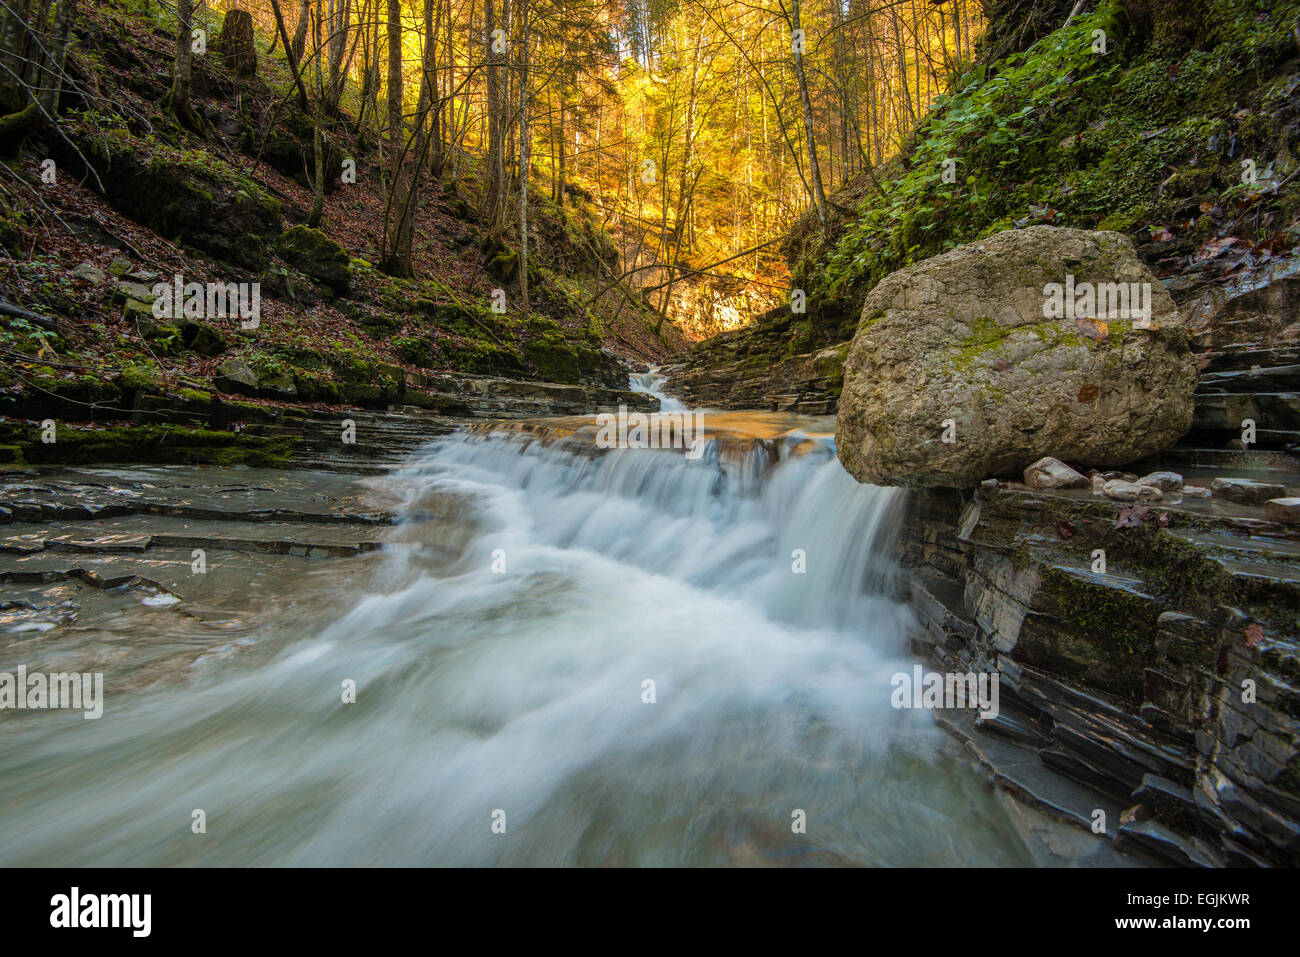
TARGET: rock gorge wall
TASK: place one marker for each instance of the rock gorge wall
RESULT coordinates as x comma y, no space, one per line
1148,652
1131,682
782,363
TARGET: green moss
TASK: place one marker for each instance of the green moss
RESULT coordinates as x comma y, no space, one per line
139,378
1113,616
198,192
801,337
831,369
484,358
153,444
554,359
417,350
350,363
435,402
316,388
1054,335
301,355
379,325
315,254
986,333
1058,134
85,390
503,264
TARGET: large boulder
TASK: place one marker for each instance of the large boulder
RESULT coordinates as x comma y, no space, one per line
983,360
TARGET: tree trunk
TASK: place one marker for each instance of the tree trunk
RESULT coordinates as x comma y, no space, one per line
293,58
31,69
390,261
318,138
235,43
559,191
523,166
435,117
496,125
177,101
299,46
340,24
405,205
57,48
16,127
814,167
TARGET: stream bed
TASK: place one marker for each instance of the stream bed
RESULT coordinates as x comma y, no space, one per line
559,658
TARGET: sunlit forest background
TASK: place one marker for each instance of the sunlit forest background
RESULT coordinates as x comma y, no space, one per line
699,129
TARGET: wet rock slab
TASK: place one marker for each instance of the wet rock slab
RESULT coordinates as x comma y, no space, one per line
206,540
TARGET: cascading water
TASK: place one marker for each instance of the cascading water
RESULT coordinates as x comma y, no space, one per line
614,656
652,382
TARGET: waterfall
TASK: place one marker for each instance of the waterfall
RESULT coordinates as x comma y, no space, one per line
735,527
652,383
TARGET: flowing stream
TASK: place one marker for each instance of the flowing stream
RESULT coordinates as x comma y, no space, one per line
652,383
616,651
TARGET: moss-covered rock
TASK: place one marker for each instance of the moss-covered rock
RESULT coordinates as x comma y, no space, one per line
417,350
502,261
200,337
237,376
966,366
190,197
378,325
320,257
316,388
134,379
484,358
154,444
554,359
85,397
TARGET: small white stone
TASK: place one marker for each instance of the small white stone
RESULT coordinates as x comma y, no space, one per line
1123,491
1165,481
1048,472
1284,510
1247,491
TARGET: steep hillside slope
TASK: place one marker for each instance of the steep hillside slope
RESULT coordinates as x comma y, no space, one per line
117,197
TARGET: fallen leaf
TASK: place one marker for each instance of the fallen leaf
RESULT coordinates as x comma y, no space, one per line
1216,247
1088,393
1095,329
1132,516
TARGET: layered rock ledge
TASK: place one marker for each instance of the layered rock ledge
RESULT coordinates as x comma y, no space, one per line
1165,677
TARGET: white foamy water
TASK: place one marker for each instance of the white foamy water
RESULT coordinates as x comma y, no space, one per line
652,383
501,657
